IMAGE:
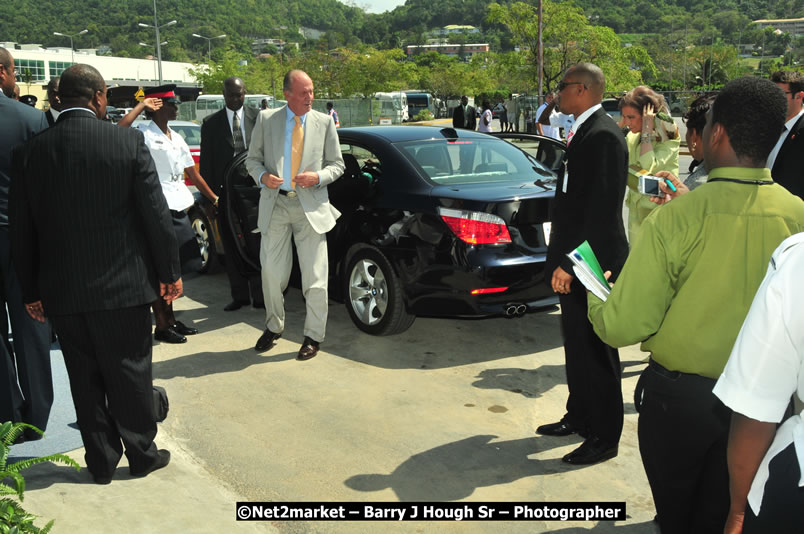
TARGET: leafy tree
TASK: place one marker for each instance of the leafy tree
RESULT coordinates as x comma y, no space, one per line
568,39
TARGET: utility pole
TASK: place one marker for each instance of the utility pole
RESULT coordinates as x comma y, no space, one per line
540,54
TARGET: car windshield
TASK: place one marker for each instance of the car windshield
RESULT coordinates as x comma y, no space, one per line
190,133
467,161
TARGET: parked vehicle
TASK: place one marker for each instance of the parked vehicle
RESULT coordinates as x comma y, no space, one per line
434,222
206,105
419,101
391,107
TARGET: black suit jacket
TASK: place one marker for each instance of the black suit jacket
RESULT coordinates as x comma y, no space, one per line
458,119
90,227
591,209
217,146
788,169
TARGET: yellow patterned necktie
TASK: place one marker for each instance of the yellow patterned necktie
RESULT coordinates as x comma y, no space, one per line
296,147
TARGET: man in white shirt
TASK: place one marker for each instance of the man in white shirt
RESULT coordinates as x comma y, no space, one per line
765,369
786,160
550,121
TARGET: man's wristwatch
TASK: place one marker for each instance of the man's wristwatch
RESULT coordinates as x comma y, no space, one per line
216,201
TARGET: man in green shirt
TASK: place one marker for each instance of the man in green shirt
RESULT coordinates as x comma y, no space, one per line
684,292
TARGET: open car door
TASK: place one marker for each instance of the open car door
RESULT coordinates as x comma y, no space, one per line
242,208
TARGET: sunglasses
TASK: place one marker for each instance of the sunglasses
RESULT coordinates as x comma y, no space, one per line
563,85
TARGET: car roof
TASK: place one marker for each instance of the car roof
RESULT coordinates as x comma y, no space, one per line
397,134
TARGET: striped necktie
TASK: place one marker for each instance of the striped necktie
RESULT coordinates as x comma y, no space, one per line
296,147
237,135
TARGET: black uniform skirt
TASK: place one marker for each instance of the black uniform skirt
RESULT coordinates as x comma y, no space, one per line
189,253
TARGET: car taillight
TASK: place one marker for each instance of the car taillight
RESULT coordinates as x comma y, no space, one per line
476,228
196,155
487,290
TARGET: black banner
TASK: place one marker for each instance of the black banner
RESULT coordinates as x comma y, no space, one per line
430,511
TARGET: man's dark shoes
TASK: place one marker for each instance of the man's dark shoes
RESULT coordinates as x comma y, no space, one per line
162,459
169,335
266,340
235,305
183,329
308,349
101,479
591,451
562,428
259,305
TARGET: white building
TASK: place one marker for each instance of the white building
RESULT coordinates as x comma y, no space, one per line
122,74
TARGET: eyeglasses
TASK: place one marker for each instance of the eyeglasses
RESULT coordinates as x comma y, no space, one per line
563,85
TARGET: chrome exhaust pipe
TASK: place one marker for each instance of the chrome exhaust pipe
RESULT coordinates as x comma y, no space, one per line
515,310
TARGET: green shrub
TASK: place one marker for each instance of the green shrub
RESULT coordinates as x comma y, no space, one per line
13,518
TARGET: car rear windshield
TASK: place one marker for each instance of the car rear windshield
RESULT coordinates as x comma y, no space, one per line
466,161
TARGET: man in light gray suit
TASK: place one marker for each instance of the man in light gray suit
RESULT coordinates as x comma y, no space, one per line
294,154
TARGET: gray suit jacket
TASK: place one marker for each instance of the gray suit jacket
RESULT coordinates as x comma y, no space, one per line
18,123
322,154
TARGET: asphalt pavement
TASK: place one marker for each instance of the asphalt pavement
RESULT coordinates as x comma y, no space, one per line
443,412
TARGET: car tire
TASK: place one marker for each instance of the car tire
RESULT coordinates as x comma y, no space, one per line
373,293
206,241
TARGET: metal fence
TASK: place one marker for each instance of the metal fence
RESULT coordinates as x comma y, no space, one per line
351,111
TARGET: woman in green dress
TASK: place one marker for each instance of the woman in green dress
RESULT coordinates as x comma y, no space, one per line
653,143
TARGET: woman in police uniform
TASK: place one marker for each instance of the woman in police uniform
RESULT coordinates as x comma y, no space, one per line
172,158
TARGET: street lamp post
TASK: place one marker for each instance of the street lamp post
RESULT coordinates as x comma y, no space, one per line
163,43
157,27
72,50
209,44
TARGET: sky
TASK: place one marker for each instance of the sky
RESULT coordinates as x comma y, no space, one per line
375,6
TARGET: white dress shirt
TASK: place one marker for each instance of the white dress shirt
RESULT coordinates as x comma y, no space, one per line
788,127
171,156
766,366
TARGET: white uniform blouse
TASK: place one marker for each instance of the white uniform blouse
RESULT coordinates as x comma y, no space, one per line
171,156
766,366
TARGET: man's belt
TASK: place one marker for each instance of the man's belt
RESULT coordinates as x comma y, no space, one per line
289,194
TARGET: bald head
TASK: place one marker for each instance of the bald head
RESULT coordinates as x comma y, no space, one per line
7,77
592,76
234,93
83,86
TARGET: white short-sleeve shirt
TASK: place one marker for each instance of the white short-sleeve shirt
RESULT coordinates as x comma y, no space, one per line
171,156
766,366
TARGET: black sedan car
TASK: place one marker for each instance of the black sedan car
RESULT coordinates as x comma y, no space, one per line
435,222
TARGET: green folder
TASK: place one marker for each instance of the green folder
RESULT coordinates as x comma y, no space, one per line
584,253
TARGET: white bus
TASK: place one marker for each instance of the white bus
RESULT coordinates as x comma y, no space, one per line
393,106
209,104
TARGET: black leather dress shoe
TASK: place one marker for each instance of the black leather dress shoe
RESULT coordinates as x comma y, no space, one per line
103,480
162,459
234,305
308,350
183,329
591,451
562,428
169,336
266,340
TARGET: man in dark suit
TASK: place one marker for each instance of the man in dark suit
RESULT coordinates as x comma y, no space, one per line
93,241
786,160
52,114
588,206
29,401
464,115
220,142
